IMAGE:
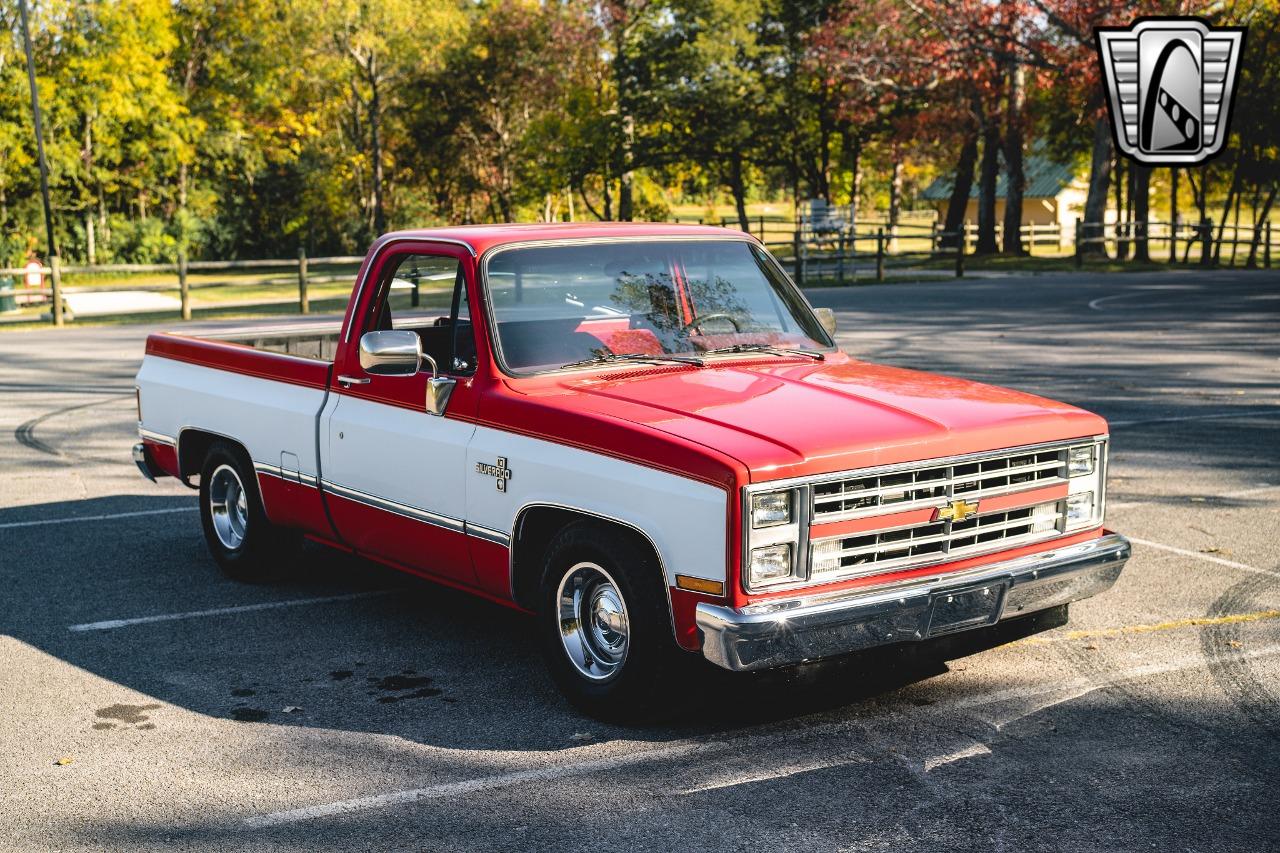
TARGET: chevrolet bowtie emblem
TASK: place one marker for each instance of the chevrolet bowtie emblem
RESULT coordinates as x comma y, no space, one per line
1169,85
957,510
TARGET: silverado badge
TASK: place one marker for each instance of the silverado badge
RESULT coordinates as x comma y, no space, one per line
500,471
957,510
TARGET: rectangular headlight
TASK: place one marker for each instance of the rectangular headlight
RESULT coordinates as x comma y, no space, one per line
770,564
1079,508
770,508
1080,461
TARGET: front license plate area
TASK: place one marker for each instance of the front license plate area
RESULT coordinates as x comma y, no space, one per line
970,607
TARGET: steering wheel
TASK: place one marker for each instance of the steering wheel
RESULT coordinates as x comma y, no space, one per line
699,320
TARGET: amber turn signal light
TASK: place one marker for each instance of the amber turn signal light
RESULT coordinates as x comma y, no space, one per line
699,585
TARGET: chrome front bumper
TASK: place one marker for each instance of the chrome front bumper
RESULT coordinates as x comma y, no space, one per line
793,630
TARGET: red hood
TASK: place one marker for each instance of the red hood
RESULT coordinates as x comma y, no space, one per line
783,419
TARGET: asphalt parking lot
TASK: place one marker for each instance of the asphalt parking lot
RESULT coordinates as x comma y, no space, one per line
354,708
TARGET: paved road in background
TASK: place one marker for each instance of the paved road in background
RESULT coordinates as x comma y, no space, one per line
356,708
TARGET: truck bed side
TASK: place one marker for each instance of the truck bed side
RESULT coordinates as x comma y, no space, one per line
267,401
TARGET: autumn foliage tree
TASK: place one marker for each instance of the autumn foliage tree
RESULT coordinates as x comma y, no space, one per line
253,128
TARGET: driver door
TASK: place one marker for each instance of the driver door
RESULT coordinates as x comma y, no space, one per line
393,472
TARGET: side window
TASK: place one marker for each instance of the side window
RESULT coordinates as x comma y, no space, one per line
464,336
428,295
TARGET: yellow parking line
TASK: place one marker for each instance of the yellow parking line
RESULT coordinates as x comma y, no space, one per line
1195,621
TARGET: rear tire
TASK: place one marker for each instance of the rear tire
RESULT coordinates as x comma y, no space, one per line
243,542
605,624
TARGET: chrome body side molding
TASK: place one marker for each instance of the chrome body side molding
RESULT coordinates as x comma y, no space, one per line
412,512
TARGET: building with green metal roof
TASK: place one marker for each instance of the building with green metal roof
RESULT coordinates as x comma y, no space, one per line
1054,196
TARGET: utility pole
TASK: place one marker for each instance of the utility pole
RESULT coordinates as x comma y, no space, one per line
44,168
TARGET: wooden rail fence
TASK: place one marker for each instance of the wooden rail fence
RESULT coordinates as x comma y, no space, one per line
829,251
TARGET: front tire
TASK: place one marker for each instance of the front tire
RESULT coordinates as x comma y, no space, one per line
245,544
605,625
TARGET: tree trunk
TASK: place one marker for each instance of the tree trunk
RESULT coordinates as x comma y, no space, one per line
958,205
826,121
586,202
1235,228
855,191
1259,229
1198,199
895,198
1226,214
375,150
1016,183
1095,203
1141,212
626,204
1173,213
1122,245
90,247
737,186
987,178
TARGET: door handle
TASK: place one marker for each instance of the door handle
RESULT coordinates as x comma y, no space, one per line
348,381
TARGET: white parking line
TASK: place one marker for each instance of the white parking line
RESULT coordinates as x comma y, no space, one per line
1094,303
1208,558
1274,413
681,749
784,772
108,624
77,518
971,751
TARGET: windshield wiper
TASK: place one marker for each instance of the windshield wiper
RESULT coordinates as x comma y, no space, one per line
813,354
611,357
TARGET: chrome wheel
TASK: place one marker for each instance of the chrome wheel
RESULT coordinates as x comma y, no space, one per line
228,507
594,627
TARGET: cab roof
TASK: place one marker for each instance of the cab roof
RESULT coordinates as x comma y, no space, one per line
481,238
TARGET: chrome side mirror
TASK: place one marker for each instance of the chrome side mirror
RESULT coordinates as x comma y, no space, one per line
398,352
827,318
395,352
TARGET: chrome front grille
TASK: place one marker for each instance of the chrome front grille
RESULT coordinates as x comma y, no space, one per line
869,553
892,491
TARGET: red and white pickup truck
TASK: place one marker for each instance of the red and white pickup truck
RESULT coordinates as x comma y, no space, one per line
644,435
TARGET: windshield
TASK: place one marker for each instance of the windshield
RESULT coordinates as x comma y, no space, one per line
555,306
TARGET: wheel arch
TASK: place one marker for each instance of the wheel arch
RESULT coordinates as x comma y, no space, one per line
536,526
193,446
